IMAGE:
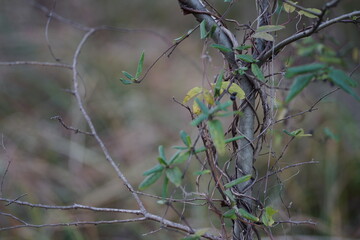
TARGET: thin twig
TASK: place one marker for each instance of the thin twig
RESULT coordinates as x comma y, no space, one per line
45,64
284,168
75,130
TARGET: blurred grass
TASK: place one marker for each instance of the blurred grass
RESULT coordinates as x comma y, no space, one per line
54,166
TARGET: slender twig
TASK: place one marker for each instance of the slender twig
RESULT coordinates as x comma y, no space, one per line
47,31
75,130
7,166
44,64
90,123
284,168
75,206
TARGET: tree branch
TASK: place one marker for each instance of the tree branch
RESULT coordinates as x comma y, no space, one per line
303,34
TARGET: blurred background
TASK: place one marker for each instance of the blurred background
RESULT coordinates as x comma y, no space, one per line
52,165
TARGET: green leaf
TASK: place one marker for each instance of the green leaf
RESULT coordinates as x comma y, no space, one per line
246,58
266,218
180,158
192,93
309,68
212,30
202,117
242,47
165,187
338,74
199,150
180,147
128,75
162,161
218,84
156,168
331,135
238,181
342,82
269,28
234,88
173,157
191,237
221,47
125,81
162,154
140,65
203,33
233,139
203,172
217,135
230,214
185,138
257,72
264,35
231,197
149,180
174,175
299,84
184,35
245,214
310,15
222,106
297,133
202,106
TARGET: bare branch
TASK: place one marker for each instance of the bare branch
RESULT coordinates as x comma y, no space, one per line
45,64
75,130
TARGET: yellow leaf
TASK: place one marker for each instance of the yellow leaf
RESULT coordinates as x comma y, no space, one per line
234,88
300,133
355,54
208,97
196,109
309,15
192,93
288,8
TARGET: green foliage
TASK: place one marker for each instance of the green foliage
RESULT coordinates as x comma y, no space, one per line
221,47
174,175
267,217
298,133
130,78
298,85
304,74
217,135
149,180
235,212
257,72
218,84
203,33
340,79
246,58
238,181
245,214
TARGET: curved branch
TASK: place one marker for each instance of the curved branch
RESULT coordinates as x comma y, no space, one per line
304,34
221,35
